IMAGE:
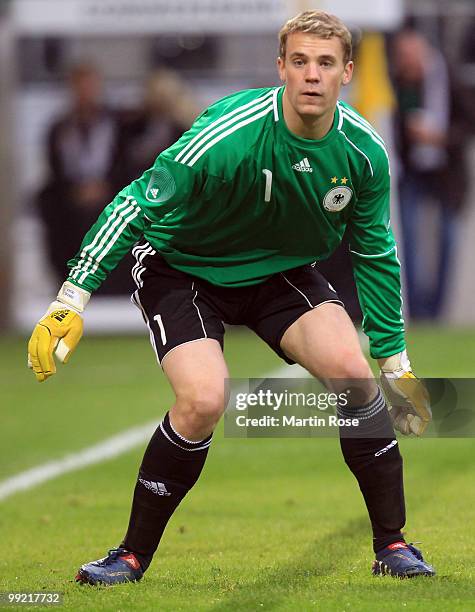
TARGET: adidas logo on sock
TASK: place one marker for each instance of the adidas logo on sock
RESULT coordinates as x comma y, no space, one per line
303,166
386,448
156,487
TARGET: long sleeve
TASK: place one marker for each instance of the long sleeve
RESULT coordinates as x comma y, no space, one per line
118,227
376,266
166,189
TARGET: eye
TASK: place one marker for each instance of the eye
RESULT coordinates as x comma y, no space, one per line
298,62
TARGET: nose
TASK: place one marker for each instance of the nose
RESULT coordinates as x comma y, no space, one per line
313,73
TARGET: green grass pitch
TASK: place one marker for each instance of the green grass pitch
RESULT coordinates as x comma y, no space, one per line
273,524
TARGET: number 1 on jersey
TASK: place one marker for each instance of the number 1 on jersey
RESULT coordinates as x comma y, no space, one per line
268,175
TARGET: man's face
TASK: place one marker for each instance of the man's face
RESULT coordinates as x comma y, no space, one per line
86,87
314,71
411,56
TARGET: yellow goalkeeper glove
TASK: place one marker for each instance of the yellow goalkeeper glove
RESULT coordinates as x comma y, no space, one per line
407,396
59,330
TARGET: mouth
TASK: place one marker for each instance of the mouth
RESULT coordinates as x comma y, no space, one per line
311,94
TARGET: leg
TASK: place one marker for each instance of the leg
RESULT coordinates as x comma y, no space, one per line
186,333
325,342
177,451
197,373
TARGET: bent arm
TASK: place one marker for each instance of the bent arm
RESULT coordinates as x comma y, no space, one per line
118,227
376,267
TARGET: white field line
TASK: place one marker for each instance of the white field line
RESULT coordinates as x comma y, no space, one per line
107,449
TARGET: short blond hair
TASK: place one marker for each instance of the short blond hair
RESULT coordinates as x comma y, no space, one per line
322,25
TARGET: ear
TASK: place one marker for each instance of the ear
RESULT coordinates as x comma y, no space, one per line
281,69
347,73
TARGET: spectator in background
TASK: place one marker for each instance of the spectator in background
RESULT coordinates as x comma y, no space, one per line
423,133
467,67
80,146
167,111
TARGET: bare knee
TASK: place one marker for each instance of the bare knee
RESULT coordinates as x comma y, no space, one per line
353,366
345,364
205,405
351,370
197,411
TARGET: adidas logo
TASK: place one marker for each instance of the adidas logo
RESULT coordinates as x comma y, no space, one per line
303,166
59,315
156,487
386,448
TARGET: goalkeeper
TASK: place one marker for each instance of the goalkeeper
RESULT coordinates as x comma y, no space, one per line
229,226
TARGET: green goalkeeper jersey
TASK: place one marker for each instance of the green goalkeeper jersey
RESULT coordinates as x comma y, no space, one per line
239,197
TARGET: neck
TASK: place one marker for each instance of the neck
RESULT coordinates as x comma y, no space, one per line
309,126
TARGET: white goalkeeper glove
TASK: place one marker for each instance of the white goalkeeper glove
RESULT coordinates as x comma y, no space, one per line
59,330
407,396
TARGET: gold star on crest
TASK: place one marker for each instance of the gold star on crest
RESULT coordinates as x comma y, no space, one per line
334,180
344,180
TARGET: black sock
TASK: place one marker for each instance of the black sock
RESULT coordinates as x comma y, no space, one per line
170,467
371,452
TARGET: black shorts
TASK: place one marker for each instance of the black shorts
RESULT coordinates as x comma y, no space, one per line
179,308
